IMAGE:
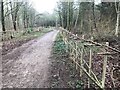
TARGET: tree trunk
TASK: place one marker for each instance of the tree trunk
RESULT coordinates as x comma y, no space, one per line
14,25
118,19
13,17
2,17
60,19
24,19
18,22
68,13
27,21
94,21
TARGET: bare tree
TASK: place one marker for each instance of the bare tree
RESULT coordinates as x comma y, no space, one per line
118,18
14,12
2,16
94,20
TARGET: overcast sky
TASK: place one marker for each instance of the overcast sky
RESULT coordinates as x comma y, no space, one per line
44,5
47,5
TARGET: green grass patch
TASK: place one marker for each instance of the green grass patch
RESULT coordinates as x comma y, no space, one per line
59,46
61,60
28,35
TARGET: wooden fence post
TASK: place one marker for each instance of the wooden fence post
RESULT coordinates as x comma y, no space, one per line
67,45
90,64
104,67
81,61
81,57
76,55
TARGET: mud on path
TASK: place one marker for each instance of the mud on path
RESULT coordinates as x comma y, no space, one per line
28,65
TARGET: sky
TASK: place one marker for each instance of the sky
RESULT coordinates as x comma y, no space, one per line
47,5
44,5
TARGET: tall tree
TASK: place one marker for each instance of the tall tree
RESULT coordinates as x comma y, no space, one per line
65,10
2,16
118,18
15,6
94,19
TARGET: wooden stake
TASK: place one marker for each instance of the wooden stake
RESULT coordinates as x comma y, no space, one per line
104,67
81,61
76,54
90,64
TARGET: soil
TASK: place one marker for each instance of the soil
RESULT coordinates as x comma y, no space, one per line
28,65
63,74
8,46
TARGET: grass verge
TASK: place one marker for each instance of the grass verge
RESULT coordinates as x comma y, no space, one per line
63,73
9,45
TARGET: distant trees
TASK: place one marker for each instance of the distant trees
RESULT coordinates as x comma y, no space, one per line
65,11
16,15
45,19
10,14
78,17
14,9
94,18
110,12
88,17
85,17
74,15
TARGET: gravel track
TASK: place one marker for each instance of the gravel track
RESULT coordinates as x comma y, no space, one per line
28,66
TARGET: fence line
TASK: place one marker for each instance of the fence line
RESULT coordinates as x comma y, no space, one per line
90,41
76,54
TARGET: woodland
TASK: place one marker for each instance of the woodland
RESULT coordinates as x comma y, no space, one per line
88,39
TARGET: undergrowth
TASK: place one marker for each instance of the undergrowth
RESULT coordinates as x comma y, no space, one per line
25,35
59,46
69,77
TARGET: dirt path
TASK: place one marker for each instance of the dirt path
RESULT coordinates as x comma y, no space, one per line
28,65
